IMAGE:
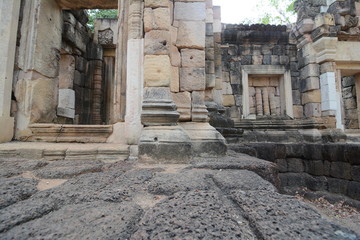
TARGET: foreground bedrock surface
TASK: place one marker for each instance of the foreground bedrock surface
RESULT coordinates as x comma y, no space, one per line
221,198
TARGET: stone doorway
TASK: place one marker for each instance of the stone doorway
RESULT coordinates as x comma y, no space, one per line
65,76
85,82
350,103
347,101
87,67
267,92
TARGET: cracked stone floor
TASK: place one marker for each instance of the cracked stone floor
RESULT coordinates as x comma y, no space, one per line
234,197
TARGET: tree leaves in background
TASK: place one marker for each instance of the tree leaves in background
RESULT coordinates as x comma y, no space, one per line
274,12
100,13
279,12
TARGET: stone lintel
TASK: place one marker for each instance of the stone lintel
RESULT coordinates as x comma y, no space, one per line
264,69
348,68
87,4
348,52
326,49
329,49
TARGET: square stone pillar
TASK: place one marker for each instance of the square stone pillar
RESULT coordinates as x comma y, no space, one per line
134,90
9,17
357,85
331,96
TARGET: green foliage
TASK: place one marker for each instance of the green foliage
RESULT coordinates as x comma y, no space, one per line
281,12
100,13
274,12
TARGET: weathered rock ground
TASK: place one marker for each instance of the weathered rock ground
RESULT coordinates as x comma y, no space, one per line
234,197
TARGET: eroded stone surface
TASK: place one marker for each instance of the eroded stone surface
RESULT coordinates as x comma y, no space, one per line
269,211
74,221
114,186
194,215
14,166
241,179
265,169
67,169
13,190
168,184
219,198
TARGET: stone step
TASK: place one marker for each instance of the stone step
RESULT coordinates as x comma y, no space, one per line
352,135
70,133
65,151
279,124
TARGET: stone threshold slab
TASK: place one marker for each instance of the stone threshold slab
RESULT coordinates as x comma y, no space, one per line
65,151
70,133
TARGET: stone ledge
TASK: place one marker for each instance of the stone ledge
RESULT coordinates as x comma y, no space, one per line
279,124
70,133
65,151
88,4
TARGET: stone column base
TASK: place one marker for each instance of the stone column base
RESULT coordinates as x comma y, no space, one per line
179,144
164,144
7,129
206,140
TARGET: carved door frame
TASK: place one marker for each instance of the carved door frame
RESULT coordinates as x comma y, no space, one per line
285,86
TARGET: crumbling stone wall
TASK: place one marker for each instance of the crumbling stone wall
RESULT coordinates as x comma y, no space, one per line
346,16
106,35
261,46
350,103
80,76
325,32
58,64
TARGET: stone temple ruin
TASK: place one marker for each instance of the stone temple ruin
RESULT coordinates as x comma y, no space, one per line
170,78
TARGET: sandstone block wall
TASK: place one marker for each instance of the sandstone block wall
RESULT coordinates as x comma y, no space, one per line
261,46
178,58
160,76
81,70
175,56
59,68
317,167
350,103
319,31
189,20
35,84
106,35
